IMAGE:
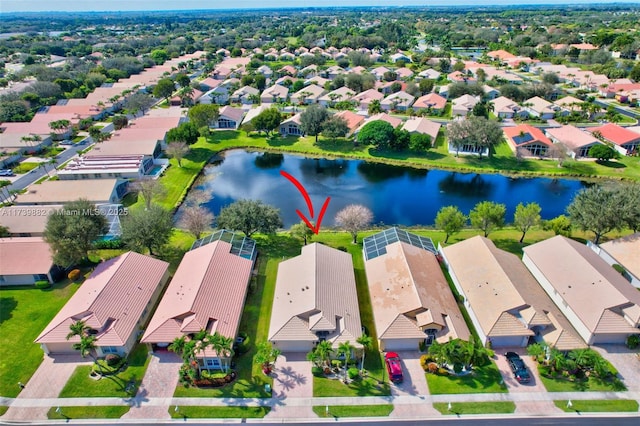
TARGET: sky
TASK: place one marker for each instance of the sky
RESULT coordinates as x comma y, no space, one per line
128,5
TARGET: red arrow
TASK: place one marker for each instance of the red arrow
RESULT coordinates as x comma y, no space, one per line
307,199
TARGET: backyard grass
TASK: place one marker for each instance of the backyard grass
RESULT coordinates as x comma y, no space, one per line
598,405
591,383
198,412
80,384
24,313
494,407
337,411
485,379
92,412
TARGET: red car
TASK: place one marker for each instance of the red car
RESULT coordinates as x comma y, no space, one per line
394,367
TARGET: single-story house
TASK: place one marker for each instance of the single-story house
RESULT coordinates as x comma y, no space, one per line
291,126
220,94
430,102
26,221
410,297
207,292
334,71
404,73
365,98
265,71
625,139
308,95
600,303
98,191
229,118
624,252
503,299
577,142
430,74
274,94
423,126
394,121
463,105
400,101
315,299
353,120
528,137
25,261
244,95
490,92
460,77
506,108
115,302
399,57
338,95
379,72
538,107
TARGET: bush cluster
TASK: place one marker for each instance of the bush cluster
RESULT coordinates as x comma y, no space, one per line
74,275
108,244
42,284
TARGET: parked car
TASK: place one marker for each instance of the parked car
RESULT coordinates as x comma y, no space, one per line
394,367
66,142
518,367
6,172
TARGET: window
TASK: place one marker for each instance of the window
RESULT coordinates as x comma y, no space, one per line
109,350
213,362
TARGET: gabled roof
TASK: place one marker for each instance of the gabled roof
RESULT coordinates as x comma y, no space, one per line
525,134
616,134
430,100
368,96
353,120
276,90
626,251
394,121
571,136
24,255
207,291
111,300
401,98
232,113
316,291
422,125
504,105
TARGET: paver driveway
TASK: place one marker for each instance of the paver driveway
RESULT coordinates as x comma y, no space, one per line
292,379
625,361
414,383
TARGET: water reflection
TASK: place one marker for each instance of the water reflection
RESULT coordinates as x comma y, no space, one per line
320,168
466,185
377,172
269,160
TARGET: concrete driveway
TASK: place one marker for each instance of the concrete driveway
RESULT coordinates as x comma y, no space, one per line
414,383
292,379
625,361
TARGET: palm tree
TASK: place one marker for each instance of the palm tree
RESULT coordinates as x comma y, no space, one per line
225,349
324,350
537,351
177,345
346,348
367,343
584,358
436,350
264,355
87,344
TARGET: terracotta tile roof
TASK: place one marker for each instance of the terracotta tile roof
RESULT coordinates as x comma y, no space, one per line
424,126
111,300
368,95
626,251
430,100
318,288
24,256
353,120
616,134
207,292
394,121
234,114
571,136
500,54
525,134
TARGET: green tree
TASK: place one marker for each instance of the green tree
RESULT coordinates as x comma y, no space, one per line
419,142
186,132
203,114
120,121
183,80
526,216
480,110
177,150
560,225
367,343
597,209
301,231
451,220
400,140
266,356
378,133
487,216
346,349
335,127
139,102
164,89
426,85
374,107
603,153
87,344
268,120
312,120
150,229
475,131
159,56
72,230
250,216
98,135
353,219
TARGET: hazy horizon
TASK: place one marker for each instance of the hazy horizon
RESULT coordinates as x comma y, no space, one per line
160,5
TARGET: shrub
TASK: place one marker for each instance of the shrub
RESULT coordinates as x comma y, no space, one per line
633,341
422,346
443,371
42,284
74,275
108,244
425,360
317,371
353,373
244,347
112,359
433,367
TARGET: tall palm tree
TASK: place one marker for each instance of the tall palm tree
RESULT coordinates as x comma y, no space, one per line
78,328
177,345
324,350
436,350
367,343
225,349
87,344
346,349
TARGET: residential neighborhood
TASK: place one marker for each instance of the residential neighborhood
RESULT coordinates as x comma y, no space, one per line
451,226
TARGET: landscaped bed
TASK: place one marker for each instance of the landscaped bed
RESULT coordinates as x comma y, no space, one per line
337,411
493,407
198,412
92,412
597,405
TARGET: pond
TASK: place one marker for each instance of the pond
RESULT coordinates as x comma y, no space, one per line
396,195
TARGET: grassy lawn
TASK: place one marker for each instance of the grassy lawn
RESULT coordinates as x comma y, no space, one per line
562,384
598,405
323,386
25,167
496,407
3,409
198,412
81,385
336,411
93,412
24,313
486,379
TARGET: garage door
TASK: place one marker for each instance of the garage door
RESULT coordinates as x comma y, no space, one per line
399,344
503,341
293,346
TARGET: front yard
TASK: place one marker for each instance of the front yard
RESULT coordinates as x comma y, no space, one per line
485,379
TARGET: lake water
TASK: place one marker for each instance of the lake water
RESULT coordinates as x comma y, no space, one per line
395,195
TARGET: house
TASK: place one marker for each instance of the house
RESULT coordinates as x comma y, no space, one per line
315,300
379,72
25,260
26,221
399,57
500,55
623,251
365,98
410,297
190,99
430,74
292,126
353,122
431,102
575,140
394,121
308,95
538,107
98,191
220,94
600,303
506,108
317,80
625,139
463,105
209,83
207,292
525,136
308,72
288,70
274,94
114,302
505,303
229,118
399,101
490,92
423,126
244,95
338,95
389,87
265,71
334,71
404,73
460,77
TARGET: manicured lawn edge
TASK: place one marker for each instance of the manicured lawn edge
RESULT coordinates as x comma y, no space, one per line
200,412
90,412
494,407
562,384
336,411
3,409
485,379
598,405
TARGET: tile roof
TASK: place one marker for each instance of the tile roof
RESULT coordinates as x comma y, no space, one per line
24,256
111,300
394,121
525,134
353,120
625,250
62,191
616,134
235,114
318,288
207,292
424,126
571,136
430,100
